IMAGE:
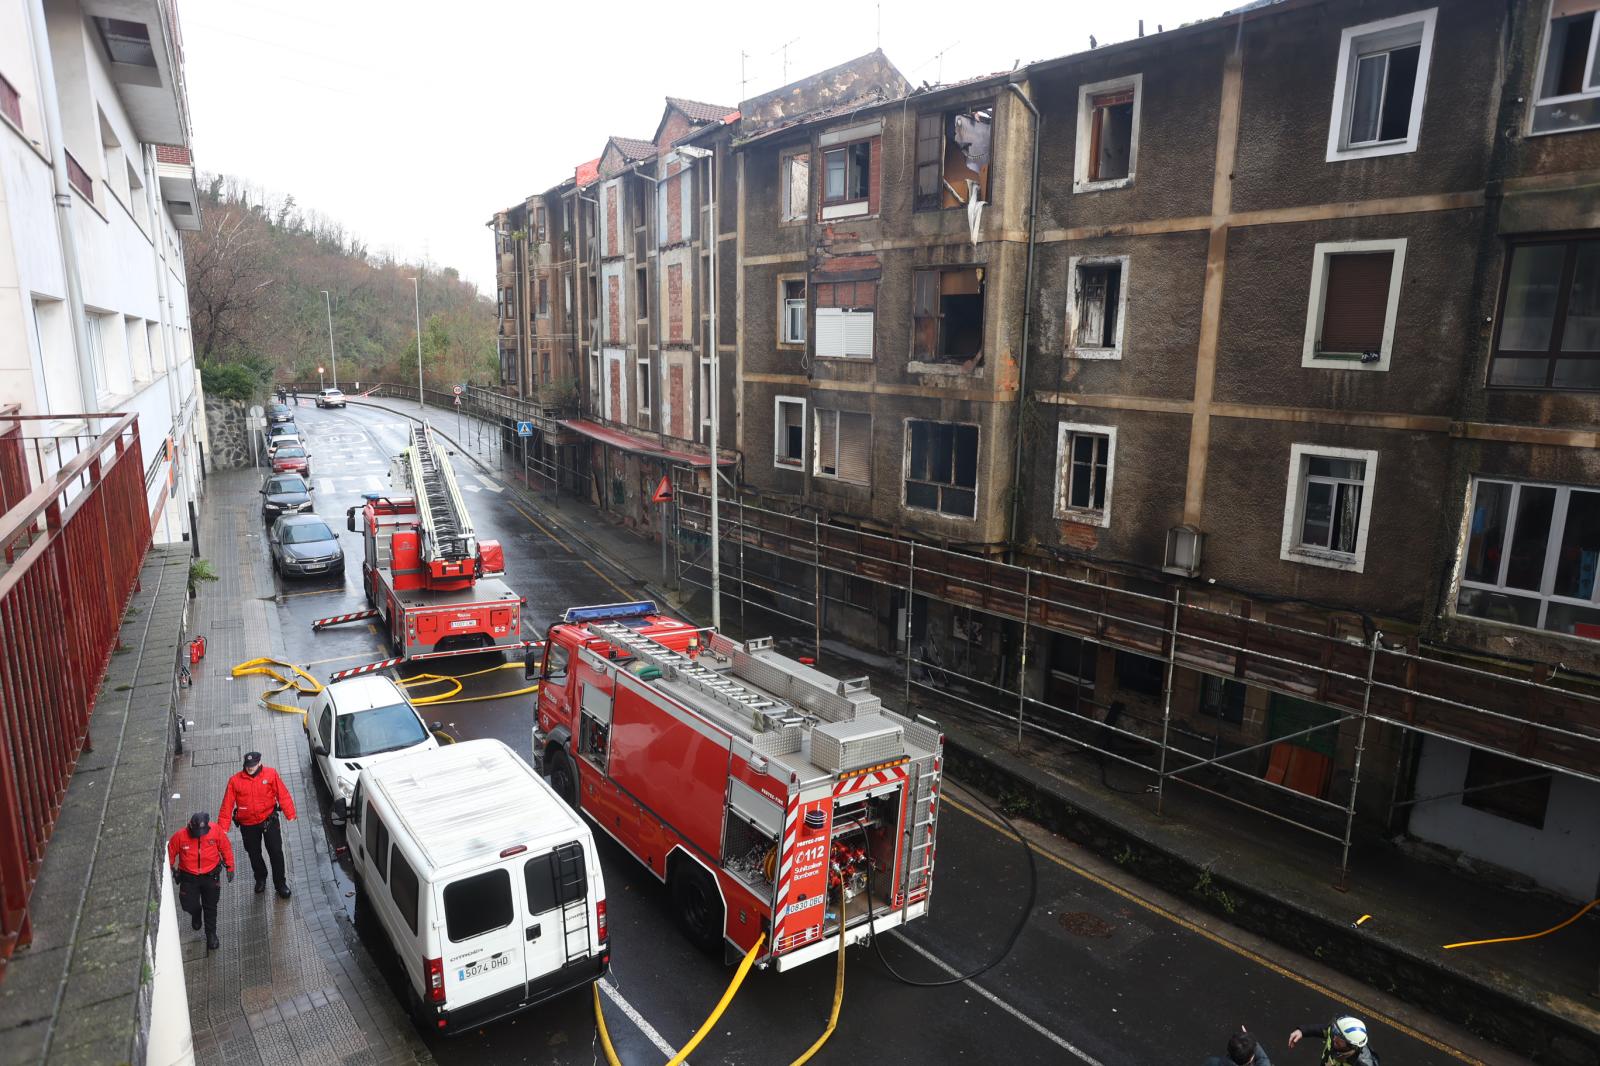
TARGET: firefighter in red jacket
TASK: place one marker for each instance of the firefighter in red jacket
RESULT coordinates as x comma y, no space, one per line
254,797
199,853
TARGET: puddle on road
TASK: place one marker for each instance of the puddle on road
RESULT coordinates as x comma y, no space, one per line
1083,923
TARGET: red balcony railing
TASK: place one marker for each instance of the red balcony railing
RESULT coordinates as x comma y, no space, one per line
72,538
80,178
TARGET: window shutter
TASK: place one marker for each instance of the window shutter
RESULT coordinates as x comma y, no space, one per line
831,331
827,440
1355,302
858,334
855,446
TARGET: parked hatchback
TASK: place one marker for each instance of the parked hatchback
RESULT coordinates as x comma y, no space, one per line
284,494
292,459
360,722
303,546
279,412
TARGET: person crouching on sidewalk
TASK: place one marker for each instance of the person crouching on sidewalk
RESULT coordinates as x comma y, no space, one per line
254,796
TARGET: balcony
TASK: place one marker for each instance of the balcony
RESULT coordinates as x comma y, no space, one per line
141,37
175,172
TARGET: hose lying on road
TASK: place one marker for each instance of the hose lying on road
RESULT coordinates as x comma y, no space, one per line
442,698
1526,936
600,1023
302,684
838,995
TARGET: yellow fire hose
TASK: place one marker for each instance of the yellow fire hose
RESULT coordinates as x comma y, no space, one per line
1526,936
838,998
722,1004
303,684
605,1037
442,698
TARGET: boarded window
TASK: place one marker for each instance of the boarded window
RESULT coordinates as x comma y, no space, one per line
1355,302
947,314
942,467
1098,295
1111,135
796,179
1502,786
789,438
1222,698
844,445
953,154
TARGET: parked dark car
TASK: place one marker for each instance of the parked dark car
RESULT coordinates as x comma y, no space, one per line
303,546
284,494
278,412
292,459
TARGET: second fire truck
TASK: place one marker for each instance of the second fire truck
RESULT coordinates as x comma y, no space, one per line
767,795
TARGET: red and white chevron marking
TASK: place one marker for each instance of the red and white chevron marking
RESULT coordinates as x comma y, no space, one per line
871,780
340,619
791,830
357,671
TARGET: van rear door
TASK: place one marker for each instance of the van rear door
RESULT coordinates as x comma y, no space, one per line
482,937
556,929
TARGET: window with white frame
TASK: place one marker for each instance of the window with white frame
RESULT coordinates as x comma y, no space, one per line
1085,462
1108,134
843,447
792,329
1097,301
645,383
941,467
789,432
1568,96
1355,294
1532,553
844,322
1328,506
1379,87
705,401
795,181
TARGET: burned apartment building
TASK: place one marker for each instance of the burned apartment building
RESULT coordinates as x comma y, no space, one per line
1251,442
510,278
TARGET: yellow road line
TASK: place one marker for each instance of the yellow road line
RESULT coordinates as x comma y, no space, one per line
607,580
536,525
1221,941
312,592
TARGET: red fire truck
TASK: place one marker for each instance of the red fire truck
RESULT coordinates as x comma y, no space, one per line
433,583
768,796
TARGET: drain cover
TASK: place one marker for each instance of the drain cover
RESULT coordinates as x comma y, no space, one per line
1082,923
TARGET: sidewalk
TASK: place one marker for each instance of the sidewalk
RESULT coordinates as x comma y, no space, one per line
290,982
1537,997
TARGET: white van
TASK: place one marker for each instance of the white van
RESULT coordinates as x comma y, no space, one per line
487,885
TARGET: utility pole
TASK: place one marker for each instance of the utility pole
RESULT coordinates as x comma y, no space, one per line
332,358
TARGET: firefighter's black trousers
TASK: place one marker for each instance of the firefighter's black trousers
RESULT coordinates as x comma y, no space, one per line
198,894
269,832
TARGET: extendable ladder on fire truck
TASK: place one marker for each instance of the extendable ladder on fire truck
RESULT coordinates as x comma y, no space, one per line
444,516
720,687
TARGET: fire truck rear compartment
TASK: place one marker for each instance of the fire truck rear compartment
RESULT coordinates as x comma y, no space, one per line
862,857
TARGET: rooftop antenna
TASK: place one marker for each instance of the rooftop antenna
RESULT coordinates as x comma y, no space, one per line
784,48
743,80
878,9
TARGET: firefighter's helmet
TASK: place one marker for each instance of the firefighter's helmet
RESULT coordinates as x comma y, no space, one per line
1354,1030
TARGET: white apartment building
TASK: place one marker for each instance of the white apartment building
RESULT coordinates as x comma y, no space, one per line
96,183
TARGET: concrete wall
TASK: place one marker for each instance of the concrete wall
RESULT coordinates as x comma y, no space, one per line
1563,856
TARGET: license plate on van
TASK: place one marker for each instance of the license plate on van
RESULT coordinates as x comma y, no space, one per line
482,966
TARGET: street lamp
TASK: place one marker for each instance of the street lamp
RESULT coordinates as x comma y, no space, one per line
331,355
695,152
319,378
416,295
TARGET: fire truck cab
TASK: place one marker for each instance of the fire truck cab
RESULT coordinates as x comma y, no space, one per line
767,795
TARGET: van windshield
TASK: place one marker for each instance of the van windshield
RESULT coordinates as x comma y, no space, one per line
378,730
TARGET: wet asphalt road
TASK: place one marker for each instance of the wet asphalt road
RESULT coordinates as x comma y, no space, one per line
1105,971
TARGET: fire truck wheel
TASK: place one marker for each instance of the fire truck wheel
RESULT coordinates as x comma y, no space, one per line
699,907
366,584
562,779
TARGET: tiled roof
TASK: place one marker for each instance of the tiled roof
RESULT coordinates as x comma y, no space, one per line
699,112
587,172
634,150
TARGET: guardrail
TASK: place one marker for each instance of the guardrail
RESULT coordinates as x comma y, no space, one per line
71,544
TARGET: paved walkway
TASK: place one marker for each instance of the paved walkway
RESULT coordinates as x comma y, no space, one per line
290,983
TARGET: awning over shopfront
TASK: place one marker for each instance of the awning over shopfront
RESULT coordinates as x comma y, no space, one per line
627,442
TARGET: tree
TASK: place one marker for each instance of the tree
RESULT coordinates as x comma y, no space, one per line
229,275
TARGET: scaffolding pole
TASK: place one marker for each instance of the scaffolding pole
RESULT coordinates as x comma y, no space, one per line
911,581
1022,655
1166,700
1355,775
816,586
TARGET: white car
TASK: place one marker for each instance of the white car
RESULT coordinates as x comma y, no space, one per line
279,440
360,722
330,398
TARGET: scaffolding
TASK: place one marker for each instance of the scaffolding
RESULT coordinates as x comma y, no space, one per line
777,561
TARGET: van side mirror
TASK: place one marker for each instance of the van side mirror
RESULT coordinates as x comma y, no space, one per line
530,663
350,519
319,751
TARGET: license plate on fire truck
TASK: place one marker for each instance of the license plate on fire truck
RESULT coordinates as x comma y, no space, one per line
465,623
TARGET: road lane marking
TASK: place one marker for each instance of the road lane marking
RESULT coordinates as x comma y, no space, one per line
375,483
535,523
488,484
325,484
1215,938
607,580
1055,1038
637,1019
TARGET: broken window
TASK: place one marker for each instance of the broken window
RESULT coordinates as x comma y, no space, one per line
1095,320
544,297
942,467
947,315
953,153
1531,557
1550,324
844,325
794,313
1354,298
538,224
795,175
789,434
1377,105
1107,146
644,385
1084,466
1327,506
844,446
846,172
126,42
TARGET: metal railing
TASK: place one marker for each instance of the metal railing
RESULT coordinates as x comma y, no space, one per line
71,544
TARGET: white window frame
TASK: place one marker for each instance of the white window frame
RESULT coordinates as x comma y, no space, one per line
1589,92
1317,299
778,460
1390,32
1080,163
786,305
1064,433
1558,523
645,385
703,434
905,470
1291,550
1073,264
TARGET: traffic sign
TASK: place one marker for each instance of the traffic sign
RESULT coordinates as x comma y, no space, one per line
663,493
456,389
256,411
458,401
524,429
